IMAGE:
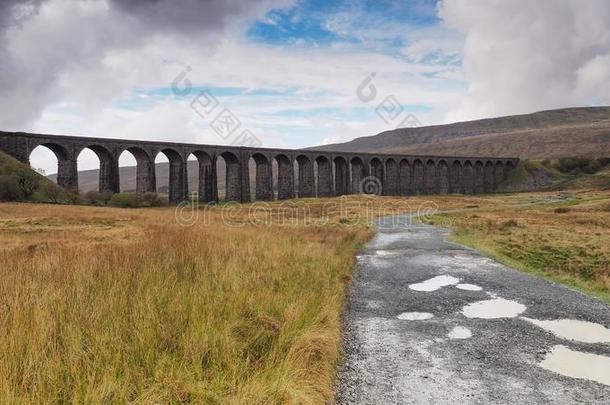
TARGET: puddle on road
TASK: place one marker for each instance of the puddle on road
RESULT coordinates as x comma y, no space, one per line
572,329
468,287
576,364
494,308
386,252
382,240
434,283
459,332
415,316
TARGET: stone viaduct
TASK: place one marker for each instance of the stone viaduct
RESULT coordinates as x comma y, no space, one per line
300,172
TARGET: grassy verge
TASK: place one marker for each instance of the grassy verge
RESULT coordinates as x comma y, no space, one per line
567,242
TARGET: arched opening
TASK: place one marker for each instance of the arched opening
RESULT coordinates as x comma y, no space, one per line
171,176
490,181
285,177
324,183
51,158
376,169
391,178
479,178
192,175
99,170
306,178
468,178
431,186
499,173
357,175
509,167
404,182
144,178
162,174
456,178
443,177
263,183
341,176
229,185
89,167
44,160
201,181
418,177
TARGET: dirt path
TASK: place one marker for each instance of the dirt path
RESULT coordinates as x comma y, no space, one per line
429,321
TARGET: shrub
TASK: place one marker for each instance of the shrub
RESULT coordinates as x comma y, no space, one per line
562,210
124,200
152,200
27,181
593,166
133,200
9,188
579,165
98,197
49,192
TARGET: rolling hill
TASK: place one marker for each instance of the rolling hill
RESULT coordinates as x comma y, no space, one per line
570,132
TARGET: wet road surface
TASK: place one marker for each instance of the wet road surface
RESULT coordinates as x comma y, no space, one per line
429,321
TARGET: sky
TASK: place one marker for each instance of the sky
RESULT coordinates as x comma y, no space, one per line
290,73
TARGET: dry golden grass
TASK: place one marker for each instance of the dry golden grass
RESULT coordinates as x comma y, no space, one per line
108,305
116,305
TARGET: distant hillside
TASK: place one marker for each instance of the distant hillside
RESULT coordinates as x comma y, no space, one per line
570,132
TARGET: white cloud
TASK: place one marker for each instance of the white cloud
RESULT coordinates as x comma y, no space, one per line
521,56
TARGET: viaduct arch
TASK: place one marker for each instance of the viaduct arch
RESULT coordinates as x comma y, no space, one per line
301,173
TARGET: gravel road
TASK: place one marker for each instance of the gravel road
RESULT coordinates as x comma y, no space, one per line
429,321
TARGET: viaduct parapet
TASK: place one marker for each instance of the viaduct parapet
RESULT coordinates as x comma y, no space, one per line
300,172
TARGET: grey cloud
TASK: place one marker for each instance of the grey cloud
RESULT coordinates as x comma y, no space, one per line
187,15
43,42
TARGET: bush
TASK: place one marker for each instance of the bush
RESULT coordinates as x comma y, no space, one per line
124,200
153,200
593,166
133,200
562,210
98,197
579,165
49,192
9,188
27,181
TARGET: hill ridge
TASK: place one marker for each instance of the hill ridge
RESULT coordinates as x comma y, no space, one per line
405,139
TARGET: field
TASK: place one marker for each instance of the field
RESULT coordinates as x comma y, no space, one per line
565,239
233,304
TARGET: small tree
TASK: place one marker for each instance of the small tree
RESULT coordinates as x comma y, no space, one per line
27,181
52,192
